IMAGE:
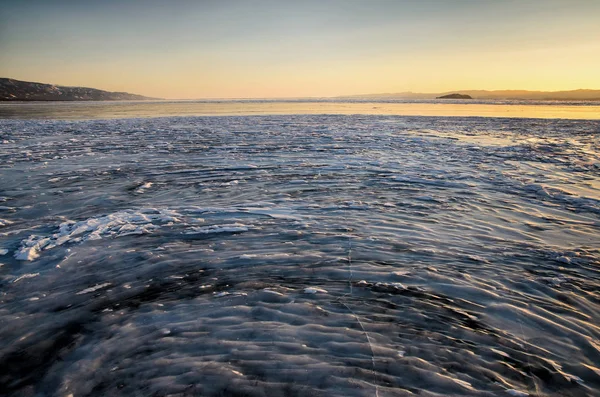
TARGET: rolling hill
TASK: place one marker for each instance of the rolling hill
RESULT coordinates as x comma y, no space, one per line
16,90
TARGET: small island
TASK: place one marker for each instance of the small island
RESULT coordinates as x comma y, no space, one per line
455,96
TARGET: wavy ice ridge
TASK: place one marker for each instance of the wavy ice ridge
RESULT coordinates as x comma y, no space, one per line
118,224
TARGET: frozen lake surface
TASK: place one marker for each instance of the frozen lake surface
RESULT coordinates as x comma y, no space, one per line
300,255
579,110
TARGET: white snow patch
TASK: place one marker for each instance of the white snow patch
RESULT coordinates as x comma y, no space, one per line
391,285
28,253
230,183
118,224
92,289
228,228
4,222
142,188
500,352
314,290
24,276
270,291
463,383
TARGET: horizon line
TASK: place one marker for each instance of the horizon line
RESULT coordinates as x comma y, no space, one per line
313,96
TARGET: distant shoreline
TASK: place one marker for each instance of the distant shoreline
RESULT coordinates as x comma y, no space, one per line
570,95
12,90
358,98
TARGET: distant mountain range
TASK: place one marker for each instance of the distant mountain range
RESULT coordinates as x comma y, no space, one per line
573,95
16,90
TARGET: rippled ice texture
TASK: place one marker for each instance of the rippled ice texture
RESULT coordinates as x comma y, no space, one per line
300,255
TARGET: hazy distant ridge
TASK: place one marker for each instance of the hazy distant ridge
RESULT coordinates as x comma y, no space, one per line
573,95
16,90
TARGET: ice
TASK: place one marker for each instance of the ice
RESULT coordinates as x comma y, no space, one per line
25,276
94,288
28,253
354,255
118,224
228,228
276,213
280,255
30,248
314,290
145,186
517,393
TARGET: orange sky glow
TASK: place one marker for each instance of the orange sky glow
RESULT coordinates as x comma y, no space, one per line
235,49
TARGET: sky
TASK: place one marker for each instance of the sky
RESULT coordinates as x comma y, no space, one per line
265,48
